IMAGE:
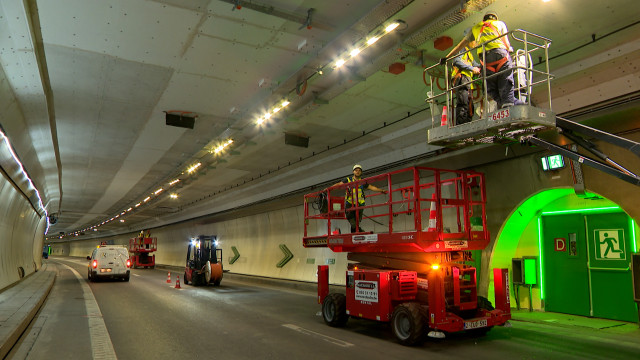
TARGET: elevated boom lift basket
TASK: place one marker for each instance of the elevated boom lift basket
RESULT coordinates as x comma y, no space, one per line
501,125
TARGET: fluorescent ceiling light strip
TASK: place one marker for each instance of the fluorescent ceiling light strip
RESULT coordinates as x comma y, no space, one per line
24,172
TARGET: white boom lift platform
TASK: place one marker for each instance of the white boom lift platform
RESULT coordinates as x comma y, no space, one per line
519,123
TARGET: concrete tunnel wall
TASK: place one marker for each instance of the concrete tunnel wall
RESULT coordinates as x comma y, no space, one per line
21,235
257,237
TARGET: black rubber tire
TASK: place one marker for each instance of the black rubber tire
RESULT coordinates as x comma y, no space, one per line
217,282
408,324
334,310
195,279
90,276
126,277
484,303
185,279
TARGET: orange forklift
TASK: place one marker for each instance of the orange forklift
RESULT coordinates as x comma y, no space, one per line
415,270
204,261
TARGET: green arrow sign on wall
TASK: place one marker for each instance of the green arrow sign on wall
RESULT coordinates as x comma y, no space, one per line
287,256
236,255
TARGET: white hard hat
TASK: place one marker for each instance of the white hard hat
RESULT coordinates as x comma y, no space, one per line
357,166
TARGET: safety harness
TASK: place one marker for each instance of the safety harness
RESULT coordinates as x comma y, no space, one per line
351,193
494,66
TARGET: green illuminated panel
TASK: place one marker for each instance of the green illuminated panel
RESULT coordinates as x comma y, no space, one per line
530,271
556,162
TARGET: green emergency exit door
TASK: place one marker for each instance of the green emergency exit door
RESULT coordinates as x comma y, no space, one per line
586,265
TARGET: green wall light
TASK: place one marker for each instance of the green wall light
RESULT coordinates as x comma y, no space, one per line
540,254
601,209
634,245
530,271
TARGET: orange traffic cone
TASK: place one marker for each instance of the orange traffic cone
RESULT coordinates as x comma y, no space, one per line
169,277
443,121
432,214
178,282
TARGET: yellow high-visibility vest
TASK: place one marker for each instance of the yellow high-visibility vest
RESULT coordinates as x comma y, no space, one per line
351,193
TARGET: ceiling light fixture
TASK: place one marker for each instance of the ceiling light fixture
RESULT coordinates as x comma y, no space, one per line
222,146
273,111
359,46
24,173
193,168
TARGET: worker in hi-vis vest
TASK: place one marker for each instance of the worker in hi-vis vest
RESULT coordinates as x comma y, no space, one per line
496,58
356,194
464,69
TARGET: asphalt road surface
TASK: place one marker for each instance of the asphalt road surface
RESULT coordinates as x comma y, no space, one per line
147,318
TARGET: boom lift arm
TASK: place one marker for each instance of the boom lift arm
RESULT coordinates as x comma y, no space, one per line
572,130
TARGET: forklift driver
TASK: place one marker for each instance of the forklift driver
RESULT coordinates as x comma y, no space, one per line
353,216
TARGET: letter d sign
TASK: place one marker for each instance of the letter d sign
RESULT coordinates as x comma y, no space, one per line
561,244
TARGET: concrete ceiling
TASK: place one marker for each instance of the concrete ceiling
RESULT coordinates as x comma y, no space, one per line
94,78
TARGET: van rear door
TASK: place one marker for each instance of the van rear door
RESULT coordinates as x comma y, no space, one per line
116,260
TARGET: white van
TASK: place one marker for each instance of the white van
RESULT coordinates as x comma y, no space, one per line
109,261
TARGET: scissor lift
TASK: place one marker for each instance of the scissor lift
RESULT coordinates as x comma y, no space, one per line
414,269
140,249
521,123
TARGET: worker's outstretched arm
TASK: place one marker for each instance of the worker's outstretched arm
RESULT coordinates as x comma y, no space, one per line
464,42
375,188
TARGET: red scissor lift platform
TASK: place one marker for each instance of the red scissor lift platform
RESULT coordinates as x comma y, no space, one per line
140,249
414,269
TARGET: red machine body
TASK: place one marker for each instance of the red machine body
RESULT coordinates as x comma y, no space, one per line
140,249
417,277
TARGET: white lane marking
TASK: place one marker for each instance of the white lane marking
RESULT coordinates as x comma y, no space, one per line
101,346
318,335
135,274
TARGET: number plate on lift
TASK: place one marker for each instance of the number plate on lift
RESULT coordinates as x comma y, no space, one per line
475,324
499,115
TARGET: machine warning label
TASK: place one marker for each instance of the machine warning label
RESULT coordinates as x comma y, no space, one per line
423,284
362,239
456,244
366,291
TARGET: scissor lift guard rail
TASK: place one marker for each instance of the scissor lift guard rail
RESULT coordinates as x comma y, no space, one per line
413,270
521,123
141,248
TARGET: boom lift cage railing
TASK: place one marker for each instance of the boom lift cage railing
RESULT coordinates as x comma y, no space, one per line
532,44
454,200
